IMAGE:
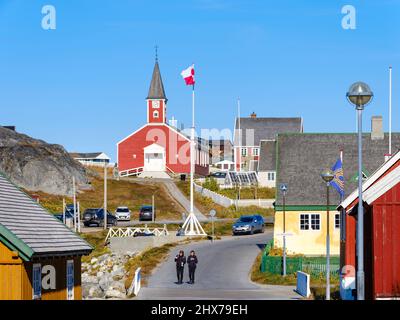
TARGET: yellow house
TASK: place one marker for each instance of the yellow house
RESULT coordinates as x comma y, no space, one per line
300,159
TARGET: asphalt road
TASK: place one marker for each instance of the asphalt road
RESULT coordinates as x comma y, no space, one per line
222,273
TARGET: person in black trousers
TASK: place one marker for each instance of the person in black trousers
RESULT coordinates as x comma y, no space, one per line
180,261
192,263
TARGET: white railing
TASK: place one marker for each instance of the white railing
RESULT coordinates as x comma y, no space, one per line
131,172
132,231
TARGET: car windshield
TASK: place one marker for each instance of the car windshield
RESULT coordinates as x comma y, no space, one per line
90,211
122,210
246,219
146,209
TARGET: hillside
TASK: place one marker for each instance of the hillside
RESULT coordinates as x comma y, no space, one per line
38,166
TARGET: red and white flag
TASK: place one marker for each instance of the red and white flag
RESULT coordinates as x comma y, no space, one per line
188,75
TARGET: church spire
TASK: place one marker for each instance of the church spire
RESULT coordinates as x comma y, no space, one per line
156,90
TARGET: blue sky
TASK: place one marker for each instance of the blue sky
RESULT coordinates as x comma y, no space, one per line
83,85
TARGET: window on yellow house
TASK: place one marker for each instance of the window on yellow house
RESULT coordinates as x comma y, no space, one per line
310,221
337,221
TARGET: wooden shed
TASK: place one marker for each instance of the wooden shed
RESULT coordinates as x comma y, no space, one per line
381,196
40,258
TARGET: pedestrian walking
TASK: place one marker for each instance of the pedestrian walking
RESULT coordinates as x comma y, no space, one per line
192,263
180,261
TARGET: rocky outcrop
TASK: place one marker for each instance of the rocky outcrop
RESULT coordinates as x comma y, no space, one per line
38,166
104,277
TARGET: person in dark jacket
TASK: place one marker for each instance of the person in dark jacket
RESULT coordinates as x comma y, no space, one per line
192,263
180,261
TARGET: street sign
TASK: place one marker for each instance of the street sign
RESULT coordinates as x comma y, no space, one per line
283,187
213,213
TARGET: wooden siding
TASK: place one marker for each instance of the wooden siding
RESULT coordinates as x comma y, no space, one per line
16,277
386,244
10,274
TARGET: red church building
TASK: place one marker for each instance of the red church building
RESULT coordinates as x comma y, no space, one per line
381,197
157,146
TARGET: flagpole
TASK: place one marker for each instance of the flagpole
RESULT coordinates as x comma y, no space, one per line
240,138
390,111
192,158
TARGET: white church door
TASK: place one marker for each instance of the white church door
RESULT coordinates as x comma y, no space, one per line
154,158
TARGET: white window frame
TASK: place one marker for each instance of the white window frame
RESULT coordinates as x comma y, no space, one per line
156,114
243,152
36,266
269,174
70,291
255,152
309,219
337,216
319,221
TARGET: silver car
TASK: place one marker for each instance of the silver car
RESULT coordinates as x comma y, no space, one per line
123,213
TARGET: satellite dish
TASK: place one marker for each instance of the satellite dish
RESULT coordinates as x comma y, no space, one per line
213,213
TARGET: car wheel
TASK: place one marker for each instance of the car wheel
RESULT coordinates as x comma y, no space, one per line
263,229
115,223
252,231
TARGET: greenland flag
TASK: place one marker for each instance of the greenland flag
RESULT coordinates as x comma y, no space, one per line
188,75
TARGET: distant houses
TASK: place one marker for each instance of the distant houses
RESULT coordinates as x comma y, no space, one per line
254,140
300,161
98,159
40,258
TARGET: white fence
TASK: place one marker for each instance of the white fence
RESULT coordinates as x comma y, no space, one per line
130,232
227,202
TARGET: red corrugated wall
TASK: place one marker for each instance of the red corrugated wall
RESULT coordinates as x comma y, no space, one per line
386,244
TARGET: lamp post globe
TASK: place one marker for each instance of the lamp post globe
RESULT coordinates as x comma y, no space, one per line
327,175
359,94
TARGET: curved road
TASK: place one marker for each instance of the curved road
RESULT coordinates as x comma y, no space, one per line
222,273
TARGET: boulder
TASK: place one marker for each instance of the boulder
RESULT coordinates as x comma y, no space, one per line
38,166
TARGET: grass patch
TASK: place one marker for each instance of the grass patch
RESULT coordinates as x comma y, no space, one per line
317,283
205,204
96,240
120,193
248,193
147,261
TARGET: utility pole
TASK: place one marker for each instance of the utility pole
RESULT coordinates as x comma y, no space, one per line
283,187
153,208
105,196
63,210
79,217
74,201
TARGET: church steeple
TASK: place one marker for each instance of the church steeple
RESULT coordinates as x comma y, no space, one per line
156,99
156,90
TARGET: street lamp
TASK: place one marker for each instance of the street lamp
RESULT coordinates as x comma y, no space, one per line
360,95
327,176
284,188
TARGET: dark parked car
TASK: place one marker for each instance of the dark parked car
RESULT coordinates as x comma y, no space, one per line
249,225
146,213
218,175
95,217
69,213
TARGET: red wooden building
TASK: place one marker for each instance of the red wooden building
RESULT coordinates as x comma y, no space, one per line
157,146
381,196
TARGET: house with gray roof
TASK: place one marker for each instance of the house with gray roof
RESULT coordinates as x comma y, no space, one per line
254,138
300,159
40,258
91,158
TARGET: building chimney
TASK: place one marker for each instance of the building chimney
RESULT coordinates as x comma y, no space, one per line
253,115
377,128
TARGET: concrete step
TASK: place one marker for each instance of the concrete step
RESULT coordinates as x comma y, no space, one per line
154,174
